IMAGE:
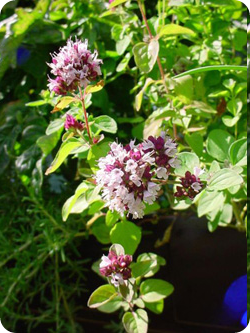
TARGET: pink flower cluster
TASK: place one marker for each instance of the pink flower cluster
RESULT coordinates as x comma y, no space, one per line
129,175
116,267
73,66
72,123
191,185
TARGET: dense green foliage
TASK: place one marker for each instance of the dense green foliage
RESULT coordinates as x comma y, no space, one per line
189,77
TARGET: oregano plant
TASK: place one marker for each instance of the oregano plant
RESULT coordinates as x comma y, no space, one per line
122,180
142,128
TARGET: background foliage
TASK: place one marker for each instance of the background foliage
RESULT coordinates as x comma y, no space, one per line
43,259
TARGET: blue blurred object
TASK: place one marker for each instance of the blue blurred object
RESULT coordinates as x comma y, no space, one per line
235,300
244,320
22,55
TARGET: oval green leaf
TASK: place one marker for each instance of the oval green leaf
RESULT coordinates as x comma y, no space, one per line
224,179
101,296
136,322
127,234
65,149
218,144
153,290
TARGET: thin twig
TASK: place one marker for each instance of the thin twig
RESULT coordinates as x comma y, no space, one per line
85,113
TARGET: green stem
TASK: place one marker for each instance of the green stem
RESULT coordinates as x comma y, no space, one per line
20,249
85,113
163,12
20,277
67,309
212,68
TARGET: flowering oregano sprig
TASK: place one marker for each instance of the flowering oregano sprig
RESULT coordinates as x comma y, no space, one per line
130,174
116,267
74,66
191,185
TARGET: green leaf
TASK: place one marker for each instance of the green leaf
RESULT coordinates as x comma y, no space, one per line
223,217
82,188
101,296
238,152
116,3
139,96
156,307
95,207
212,68
97,151
214,167
63,103
164,114
153,50
219,93
174,29
127,234
139,303
101,231
48,142
140,269
147,265
153,290
122,44
37,103
118,249
143,58
111,218
112,305
188,162
223,179
210,201
230,121
235,106
124,63
90,89
229,84
55,126
65,149
151,208
106,124
200,106
218,144
184,89
85,194
195,141
136,322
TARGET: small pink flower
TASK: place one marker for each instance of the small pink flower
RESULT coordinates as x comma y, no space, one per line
126,173
116,267
72,123
191,185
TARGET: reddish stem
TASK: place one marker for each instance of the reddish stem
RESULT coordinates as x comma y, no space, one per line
158,59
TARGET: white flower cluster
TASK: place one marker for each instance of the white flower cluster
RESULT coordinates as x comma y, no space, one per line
74,65
129,174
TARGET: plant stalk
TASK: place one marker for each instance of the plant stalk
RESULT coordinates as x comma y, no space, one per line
152,37
157,59
85,113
